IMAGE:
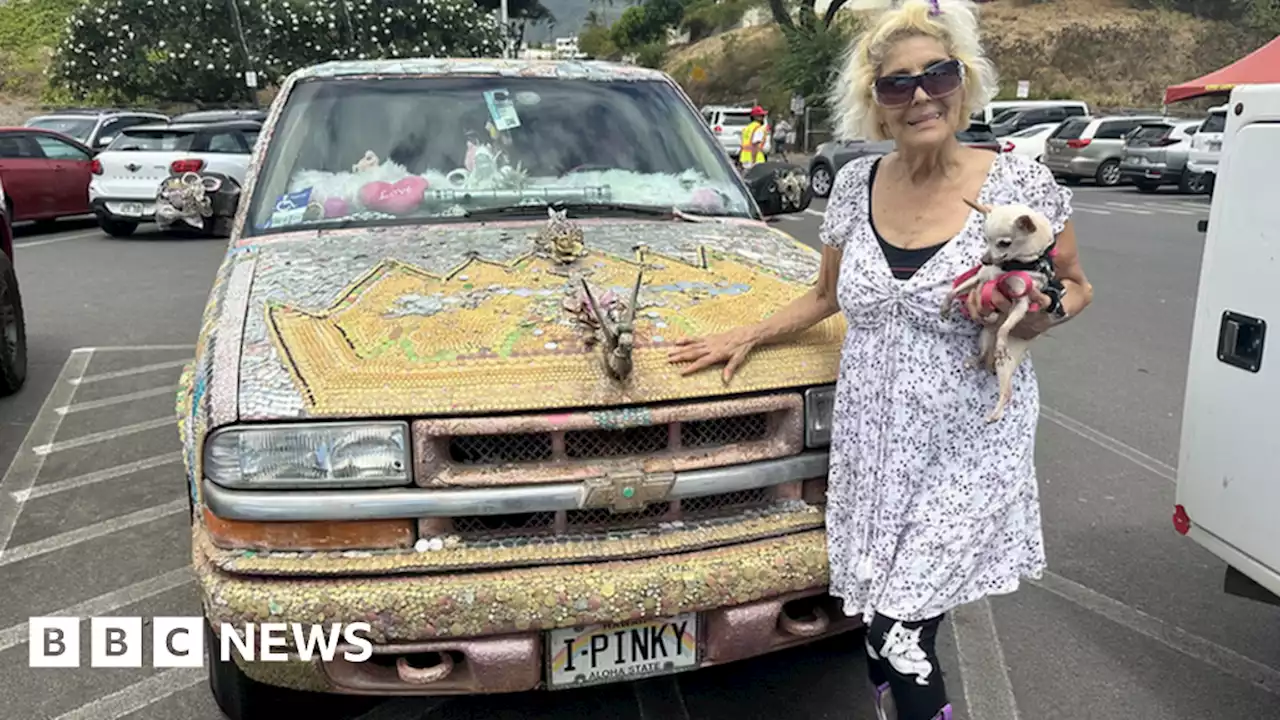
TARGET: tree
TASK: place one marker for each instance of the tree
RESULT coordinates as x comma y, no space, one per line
199,50
523,14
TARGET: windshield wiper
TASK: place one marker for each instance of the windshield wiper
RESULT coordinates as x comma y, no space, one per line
576,209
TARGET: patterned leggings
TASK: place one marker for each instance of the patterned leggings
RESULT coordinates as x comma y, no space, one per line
903,664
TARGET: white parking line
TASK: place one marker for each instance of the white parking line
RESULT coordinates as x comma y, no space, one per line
1225,659
136,348
106,603
116,400
984,676
141,369
61,238
98,476
1176,209
1103,440
22,472
91,532
815,213
138,695
105,435
1129,207
1078,207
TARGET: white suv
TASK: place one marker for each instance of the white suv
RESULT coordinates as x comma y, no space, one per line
127,175
1206,148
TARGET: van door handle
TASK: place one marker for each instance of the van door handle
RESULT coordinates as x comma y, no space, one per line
1240,340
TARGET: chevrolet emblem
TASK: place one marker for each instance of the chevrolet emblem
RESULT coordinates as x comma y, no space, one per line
627,489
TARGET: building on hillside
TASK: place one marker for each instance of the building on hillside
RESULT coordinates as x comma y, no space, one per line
535,53
567,48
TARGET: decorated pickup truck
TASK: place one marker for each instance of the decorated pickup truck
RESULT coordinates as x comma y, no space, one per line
432,393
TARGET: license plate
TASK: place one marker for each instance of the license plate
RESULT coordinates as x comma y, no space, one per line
1135,160
604,654
132,209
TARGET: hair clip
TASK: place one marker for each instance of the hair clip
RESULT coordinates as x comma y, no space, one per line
934,10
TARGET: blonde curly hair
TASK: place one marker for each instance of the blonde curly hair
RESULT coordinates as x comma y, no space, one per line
955,25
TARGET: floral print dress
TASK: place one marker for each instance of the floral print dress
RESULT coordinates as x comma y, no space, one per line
928,506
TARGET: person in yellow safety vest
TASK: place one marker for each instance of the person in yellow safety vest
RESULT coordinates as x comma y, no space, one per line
753,135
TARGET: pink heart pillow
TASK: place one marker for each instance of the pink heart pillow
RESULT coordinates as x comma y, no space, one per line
397,198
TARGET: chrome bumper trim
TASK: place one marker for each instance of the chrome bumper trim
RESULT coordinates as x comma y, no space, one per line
302,505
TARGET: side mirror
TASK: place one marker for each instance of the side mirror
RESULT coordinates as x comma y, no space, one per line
102,142
779,188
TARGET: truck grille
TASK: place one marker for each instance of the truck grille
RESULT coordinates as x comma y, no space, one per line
591,521
563,448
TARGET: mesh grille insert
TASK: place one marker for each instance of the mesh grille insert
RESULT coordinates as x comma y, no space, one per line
614,443
499,449
719,432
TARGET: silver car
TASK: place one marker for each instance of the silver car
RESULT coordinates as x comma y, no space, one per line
1156,154
1091,147
831,156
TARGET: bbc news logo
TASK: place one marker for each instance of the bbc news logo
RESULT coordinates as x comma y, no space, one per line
116,642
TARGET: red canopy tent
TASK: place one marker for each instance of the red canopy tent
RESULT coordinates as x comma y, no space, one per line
1258,67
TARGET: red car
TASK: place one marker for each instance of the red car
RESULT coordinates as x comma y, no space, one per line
45,174
13,331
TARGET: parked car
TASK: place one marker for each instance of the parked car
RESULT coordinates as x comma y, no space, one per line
1001,110
1155,154
1091,147
831,156
208,116
128,174
1023,118
13,327
1206,149
1028,141
95,128
402,394
45,174
728,123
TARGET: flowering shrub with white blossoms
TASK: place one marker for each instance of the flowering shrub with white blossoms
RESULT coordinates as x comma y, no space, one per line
190,50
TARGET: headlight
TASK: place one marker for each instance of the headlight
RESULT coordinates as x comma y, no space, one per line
328,455
818,404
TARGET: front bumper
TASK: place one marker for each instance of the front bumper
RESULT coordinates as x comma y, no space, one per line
492,623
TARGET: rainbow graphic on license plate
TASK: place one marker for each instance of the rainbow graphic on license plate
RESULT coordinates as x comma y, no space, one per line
603,654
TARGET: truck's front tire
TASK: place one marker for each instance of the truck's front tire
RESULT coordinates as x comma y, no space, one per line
13,332
239,696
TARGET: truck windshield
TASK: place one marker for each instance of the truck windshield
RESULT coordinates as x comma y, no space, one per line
406,150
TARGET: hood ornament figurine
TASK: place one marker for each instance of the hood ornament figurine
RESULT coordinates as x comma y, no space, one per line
619,332
561,239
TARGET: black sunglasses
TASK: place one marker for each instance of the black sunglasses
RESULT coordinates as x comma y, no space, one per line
938,81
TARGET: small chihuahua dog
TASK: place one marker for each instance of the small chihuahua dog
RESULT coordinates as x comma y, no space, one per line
1018,259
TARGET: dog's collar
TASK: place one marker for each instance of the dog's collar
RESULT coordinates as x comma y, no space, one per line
1042,264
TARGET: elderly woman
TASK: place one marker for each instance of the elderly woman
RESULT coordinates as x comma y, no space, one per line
929,507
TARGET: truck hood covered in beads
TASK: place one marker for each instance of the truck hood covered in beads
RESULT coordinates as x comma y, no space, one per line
465,319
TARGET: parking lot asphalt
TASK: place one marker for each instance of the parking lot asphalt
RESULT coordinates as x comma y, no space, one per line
1130,623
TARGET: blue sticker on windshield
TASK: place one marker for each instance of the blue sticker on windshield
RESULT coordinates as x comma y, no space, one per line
502,109
290,208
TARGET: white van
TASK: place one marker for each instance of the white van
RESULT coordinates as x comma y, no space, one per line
1228,494
988,114
1206,148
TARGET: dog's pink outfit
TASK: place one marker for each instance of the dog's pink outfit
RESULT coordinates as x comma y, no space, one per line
988,289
